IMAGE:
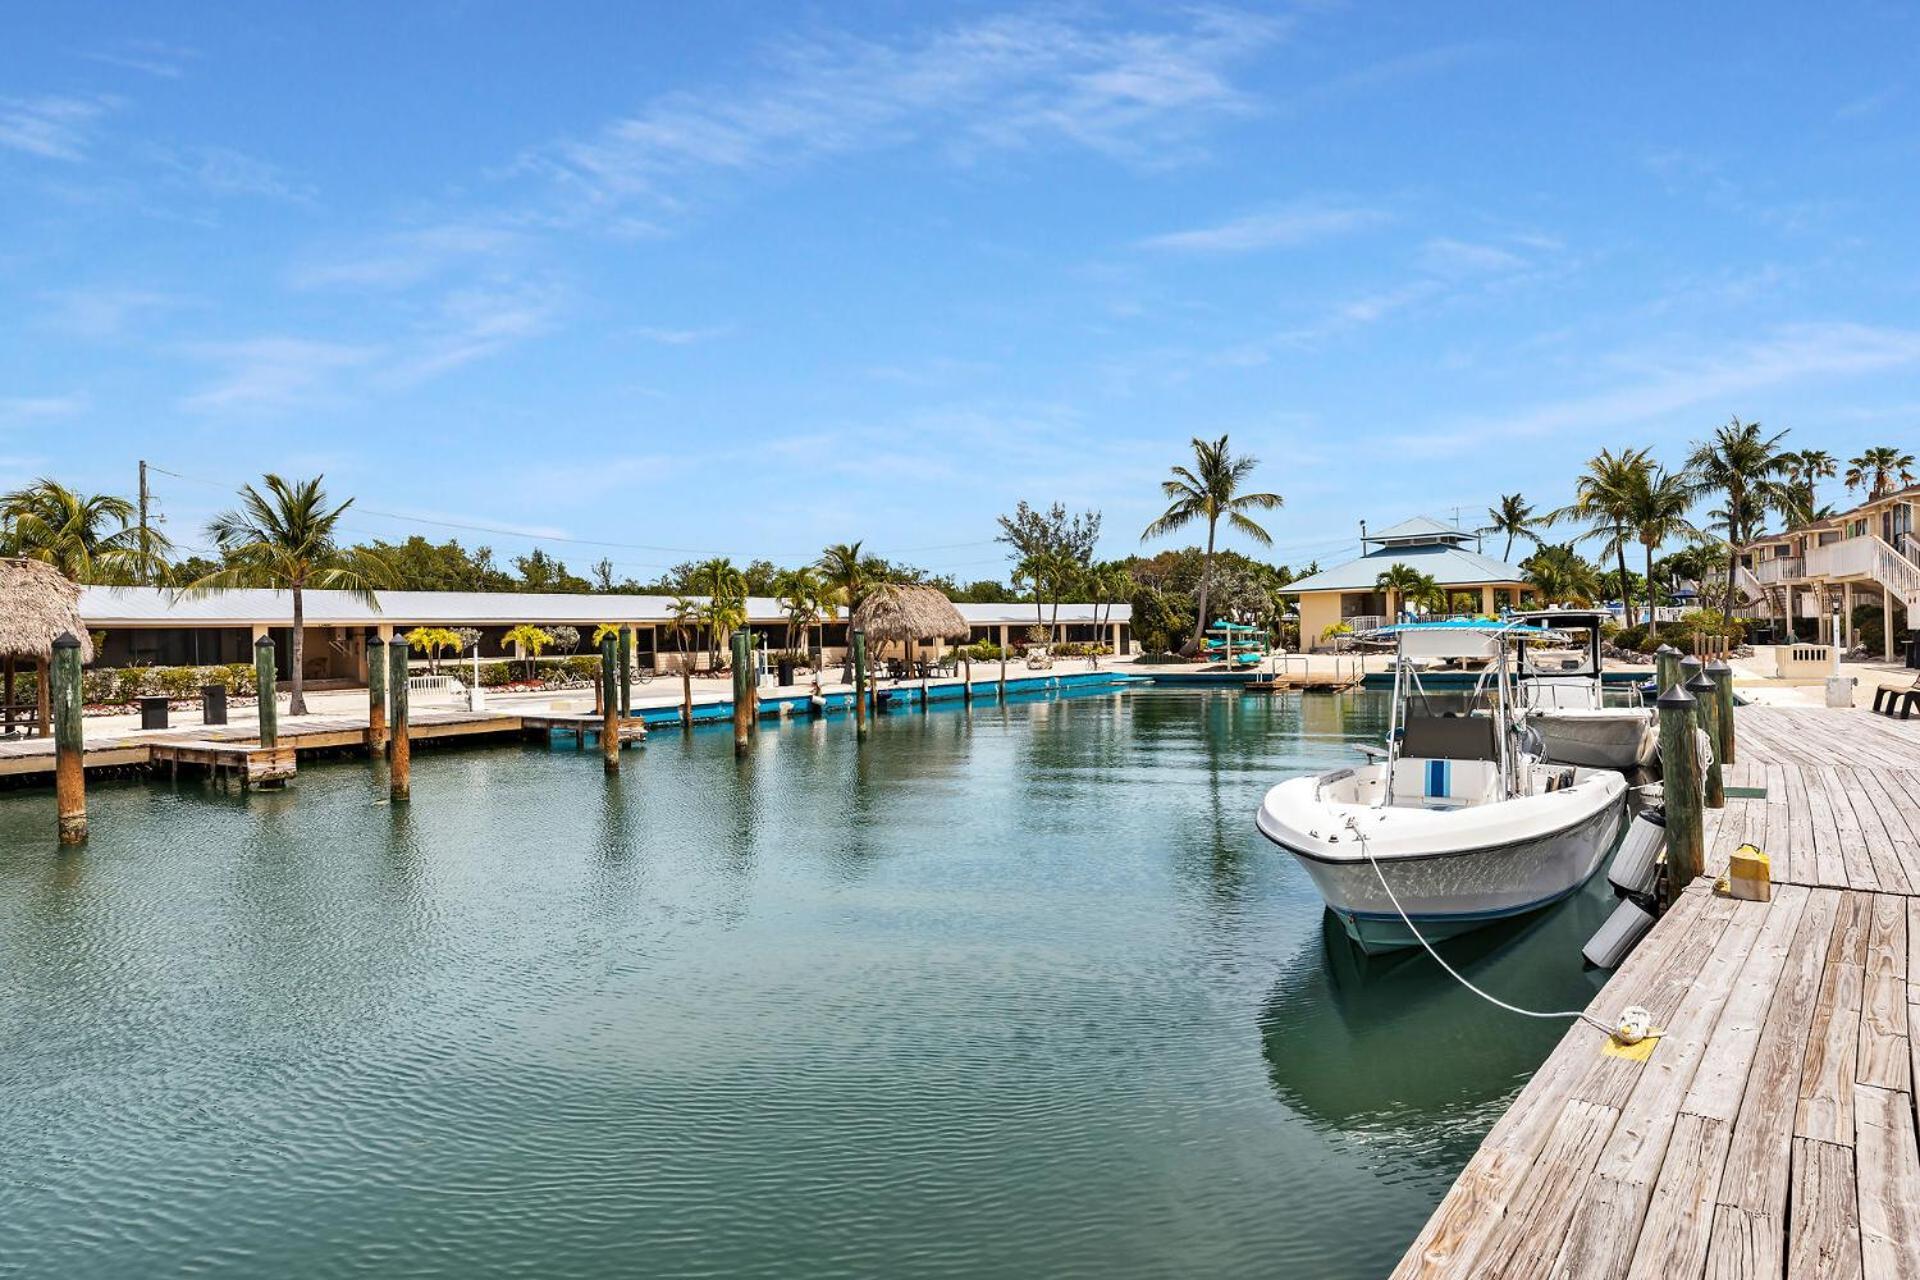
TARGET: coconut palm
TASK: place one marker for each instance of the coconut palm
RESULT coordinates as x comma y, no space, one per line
285,539
87,537
1398,582
1210,490
1560,575
847,576
1516,518
1877,469
1748,468
725,587
799,592
1657,515
1804,469
1427,593
1602,497
684,614
429,641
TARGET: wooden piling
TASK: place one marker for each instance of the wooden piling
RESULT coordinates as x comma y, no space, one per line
376,695
626,671
1666,667
1680,790
611,680
6,693
69,739
1722,676
858,640
966,681
266,684
42,699
1003,673
743,695
1705,714
400,750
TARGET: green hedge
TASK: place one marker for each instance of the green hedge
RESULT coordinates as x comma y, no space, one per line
118,686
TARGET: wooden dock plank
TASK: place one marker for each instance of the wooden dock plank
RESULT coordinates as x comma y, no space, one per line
1888,1163
1824,1226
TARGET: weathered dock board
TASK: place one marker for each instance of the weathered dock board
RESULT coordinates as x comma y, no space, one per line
1771,1131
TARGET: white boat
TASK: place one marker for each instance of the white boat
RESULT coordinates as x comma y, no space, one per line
1454,825
1562,698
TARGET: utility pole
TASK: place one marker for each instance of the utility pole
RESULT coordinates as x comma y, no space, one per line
146,545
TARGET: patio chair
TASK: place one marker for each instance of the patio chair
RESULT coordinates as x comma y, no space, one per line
1888,697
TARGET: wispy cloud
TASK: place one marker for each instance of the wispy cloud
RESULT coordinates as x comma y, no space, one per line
272,373
1446,256
222,171
54,127
19,409
1010,82
1715,380
152,57
473,324
682,337
1276,229
102,312
403,258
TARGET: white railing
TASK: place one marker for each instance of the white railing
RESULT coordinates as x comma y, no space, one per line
434,687
1895,572
1802,661
1780,569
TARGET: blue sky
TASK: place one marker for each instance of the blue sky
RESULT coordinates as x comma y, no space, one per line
745,279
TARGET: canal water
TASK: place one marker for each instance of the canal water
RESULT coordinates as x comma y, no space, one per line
1015,991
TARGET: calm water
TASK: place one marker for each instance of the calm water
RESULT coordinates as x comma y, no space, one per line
1011,992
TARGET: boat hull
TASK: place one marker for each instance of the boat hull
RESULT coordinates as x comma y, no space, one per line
1450,891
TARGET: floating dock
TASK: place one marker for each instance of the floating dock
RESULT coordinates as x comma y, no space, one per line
1771,1130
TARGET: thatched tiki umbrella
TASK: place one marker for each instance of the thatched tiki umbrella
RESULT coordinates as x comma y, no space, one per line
37,603
898,611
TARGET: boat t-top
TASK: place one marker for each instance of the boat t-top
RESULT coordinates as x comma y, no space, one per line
1562,697
1456,823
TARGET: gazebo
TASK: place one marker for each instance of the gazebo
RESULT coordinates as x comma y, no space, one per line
37,604
907,613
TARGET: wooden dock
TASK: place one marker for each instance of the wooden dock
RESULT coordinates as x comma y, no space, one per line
1771,1131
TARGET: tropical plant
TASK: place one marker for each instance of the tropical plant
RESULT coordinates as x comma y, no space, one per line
284,539
1560,575
532,642
1747,467
1878,469
1427,593
1803,470
725,587
1051,551
1208,491
565,638
1515,517
800,592
1602,497
604,630
429,641
87,537
469,638
684,615
1397,582
1657,514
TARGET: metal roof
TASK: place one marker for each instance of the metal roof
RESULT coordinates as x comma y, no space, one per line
1450,566
1420,527
247,607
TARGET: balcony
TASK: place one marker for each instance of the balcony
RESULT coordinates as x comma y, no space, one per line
1779,571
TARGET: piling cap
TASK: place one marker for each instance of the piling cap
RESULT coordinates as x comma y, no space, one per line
1689,665
1675,699
1701,684
398,642
1718,667
263,640
66,640
1665,649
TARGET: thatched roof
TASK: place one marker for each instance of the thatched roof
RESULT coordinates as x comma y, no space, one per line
37,603
897,611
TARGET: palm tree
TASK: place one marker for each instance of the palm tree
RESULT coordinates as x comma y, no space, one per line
284,539
799,592
1207,492
1560,575
1514,517
532,641
685,616
1746,466
725,587
1427,593
1803,470
69,530
1658,514
847,575
1398,582
1602,497
1876,469
430,641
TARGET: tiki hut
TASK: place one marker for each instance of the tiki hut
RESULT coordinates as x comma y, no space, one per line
37,604
895,611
